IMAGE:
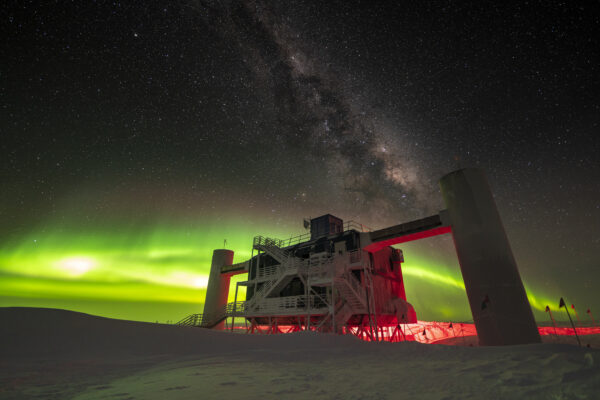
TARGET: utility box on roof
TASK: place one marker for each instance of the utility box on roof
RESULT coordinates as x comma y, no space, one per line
325,225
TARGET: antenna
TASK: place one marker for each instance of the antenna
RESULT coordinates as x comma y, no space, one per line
306,223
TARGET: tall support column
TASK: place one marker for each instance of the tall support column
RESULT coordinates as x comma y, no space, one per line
218,285
498,301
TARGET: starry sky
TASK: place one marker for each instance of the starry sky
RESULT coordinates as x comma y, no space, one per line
138,136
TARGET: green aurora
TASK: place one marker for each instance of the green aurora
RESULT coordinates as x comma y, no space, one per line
160,273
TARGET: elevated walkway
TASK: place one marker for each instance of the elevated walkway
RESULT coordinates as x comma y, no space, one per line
409,231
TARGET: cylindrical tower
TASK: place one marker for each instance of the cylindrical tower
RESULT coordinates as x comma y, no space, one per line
498,301
218,287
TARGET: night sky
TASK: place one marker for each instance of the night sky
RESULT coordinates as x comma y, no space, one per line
138,136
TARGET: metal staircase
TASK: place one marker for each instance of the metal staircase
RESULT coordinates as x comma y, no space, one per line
272,247
276,277
210,320
342,315
336,320
351,292
202,320
277,282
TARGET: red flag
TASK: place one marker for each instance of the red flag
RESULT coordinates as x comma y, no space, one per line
547,308
562,303
573,306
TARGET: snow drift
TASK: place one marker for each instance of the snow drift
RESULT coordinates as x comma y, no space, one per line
59,354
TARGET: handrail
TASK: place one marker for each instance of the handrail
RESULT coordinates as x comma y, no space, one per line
355,256
235,267
206,320
354,283
321,271
278,304
268,271
266,305
348,226
282,271
350,282
357,226
190,320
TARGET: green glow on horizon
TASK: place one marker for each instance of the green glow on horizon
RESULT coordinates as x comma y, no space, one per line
436,286
433,276
452,281
166,264
84,269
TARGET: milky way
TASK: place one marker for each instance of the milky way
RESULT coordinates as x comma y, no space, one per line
136,137
363,155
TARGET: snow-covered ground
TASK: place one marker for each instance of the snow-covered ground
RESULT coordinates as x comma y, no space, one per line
55,354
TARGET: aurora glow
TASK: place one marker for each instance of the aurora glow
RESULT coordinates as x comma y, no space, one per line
170,265
165,265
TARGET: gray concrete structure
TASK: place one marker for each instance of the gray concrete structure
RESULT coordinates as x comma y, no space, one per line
497,298
217,290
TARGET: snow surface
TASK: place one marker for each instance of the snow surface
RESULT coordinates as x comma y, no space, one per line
57,354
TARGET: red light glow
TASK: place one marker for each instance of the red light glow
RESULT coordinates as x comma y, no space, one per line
429,332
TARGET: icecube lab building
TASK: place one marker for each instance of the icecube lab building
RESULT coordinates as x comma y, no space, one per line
347,279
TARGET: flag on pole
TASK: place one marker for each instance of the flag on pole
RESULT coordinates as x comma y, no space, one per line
562,304
573,306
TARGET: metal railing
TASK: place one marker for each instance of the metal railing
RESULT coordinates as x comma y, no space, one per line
210,319
271,306
278,273
266,241
190,320
357,226
343,313
268,272
348,226
321,272
351,290
241,266
353,283
355,256
288,304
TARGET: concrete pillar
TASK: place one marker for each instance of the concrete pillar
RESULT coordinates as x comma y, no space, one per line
218,285
498,301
